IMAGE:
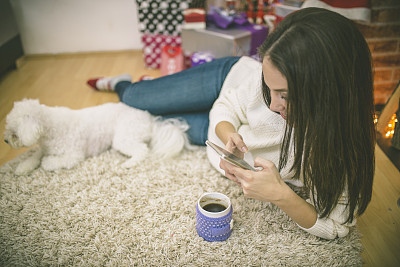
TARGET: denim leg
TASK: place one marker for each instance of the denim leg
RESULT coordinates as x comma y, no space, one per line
188,91
188,94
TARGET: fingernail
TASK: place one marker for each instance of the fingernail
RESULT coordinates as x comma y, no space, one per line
244,149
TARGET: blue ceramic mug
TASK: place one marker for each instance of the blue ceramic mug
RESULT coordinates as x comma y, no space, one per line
214,217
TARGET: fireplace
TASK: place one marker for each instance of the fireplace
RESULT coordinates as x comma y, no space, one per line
388,127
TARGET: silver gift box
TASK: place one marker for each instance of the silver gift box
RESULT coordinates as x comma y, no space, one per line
218,42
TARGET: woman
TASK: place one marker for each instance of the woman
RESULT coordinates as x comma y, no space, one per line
308,121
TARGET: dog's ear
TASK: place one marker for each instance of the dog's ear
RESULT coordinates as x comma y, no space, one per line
30,130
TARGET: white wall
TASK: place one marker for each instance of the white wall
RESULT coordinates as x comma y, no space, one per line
67,26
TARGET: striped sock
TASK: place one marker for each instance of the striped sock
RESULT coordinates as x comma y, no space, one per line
108,83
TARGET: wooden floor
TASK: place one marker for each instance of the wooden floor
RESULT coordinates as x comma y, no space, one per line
61,80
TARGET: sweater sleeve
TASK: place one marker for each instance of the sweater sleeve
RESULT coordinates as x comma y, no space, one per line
334,225
237,93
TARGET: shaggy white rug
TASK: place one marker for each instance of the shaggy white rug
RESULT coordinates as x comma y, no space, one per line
100,214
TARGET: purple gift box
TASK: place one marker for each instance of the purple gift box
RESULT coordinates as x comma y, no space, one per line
223,20
225,35
201,57
258,35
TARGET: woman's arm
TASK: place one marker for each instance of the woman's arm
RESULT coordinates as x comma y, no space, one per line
267,185
223,130
232,140
303,213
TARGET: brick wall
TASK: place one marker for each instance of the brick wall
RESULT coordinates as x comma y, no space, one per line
383,37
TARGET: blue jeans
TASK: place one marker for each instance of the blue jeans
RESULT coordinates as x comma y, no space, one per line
188,94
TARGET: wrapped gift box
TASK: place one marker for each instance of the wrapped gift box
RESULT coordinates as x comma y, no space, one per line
153,45
161,17
201,57
172,60
236,41
160,23
195,18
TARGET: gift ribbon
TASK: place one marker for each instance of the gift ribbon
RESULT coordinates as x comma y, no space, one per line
172,51
223,20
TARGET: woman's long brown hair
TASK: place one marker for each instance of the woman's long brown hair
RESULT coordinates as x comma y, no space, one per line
327,64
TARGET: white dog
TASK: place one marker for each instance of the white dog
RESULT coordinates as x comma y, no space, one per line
66,137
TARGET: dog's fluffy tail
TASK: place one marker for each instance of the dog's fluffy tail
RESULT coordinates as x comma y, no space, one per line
169,137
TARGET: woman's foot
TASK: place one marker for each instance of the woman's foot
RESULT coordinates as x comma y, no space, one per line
108,83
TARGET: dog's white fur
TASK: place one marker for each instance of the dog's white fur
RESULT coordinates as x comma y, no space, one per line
66,137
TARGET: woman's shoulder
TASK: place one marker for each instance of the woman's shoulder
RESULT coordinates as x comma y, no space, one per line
244,71
249,62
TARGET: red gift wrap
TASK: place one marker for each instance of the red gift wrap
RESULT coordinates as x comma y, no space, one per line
172,60
153,45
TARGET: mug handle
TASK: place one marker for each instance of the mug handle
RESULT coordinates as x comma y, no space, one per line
217,231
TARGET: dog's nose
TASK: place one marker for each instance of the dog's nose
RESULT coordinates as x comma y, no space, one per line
5,140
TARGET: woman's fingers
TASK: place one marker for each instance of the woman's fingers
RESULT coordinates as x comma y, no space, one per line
263,163
239,143
226,166
236,145
267,166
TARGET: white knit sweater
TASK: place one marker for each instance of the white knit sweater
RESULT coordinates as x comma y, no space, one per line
241,103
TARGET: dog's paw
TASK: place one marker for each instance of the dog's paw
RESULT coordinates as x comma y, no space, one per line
49,163
130,163
52,163
26,167
134,161
22,171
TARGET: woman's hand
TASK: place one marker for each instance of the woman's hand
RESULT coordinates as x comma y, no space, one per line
266,185
236,145
232,140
